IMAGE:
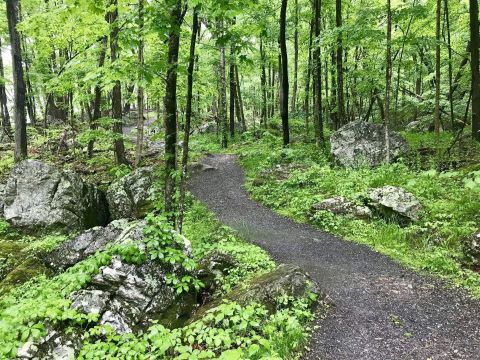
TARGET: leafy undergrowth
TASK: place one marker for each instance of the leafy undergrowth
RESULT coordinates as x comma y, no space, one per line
451,199
229,331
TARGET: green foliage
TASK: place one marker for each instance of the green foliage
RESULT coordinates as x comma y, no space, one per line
228,331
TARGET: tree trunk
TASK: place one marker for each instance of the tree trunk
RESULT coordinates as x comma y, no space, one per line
240,101
117,113
140,95
188,116
170,105
437,68
20,152
263,82
474,63
233,86
295,61
317,74
388,82
6,126
97,102
450,70
307,79
223,91
339,62
284,75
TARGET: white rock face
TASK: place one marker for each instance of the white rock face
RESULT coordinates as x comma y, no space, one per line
395,200
360,144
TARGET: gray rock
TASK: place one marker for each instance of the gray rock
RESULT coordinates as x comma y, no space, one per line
285,280
212,267
471,249
360,144
39,196
129,197
88,243
394,201
90,301
55,345
207,128
417,125
341,206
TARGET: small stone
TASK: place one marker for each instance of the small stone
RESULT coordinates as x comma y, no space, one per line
394,201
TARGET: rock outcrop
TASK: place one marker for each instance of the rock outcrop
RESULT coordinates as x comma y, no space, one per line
130,196
392,201
39,196
341,206
360,144
471,249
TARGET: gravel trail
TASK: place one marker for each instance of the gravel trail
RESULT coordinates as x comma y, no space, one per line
382,310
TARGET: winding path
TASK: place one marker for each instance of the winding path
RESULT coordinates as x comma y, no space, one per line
382,311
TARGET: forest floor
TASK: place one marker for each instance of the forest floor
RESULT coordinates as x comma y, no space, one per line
381,310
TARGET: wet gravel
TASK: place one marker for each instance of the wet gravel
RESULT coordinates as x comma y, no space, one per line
381,311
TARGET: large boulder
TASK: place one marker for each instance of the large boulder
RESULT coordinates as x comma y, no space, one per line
471,249
130,196
91,241
286,280
39,196
392,201
341,206
360,143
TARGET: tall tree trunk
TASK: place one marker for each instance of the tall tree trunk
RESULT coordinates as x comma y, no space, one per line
263,82
20,151
317,75
188,117
223,90
117,112
306,104
388,82
437,68
240,101
295,60
450,69
474,63
284,74
97,102
170,105
333,102
140,90
6,126
340,101
233,87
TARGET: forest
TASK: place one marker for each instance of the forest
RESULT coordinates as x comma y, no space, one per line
239,179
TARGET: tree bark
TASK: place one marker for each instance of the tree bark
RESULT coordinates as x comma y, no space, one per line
474,64
97,102
233,88
284,74
450,70
20,151
263,82
340,95
295,60
437,68
6,126
117,113
140,90
317,74
388,82
188,116
240,101
307,80
170,105
223,90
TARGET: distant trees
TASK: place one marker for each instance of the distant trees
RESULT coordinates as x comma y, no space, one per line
388,81
19,89
437,66
317,76
4,114
340,118
140,90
